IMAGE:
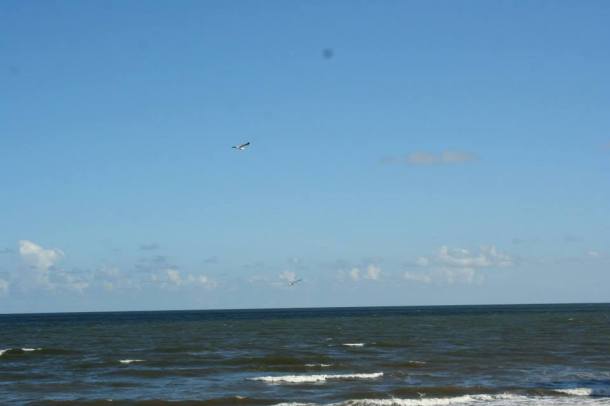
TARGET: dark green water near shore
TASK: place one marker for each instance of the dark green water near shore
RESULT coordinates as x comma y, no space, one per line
470,355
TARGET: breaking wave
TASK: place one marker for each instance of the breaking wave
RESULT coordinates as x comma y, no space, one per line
17,351
315,378
593,391
474,400
129,361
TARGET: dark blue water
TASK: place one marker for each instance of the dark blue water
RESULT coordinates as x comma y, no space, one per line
471,355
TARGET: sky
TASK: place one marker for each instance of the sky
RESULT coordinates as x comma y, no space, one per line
402,153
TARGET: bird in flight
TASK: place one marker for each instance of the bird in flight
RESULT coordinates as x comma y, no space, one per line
294,282
241,147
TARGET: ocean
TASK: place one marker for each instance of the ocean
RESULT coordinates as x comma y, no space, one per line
441,355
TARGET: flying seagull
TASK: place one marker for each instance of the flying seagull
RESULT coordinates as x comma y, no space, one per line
241,147
294,282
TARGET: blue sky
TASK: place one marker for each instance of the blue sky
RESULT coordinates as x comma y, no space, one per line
403,153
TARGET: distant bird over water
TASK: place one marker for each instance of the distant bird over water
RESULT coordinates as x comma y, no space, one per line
294,282
241,147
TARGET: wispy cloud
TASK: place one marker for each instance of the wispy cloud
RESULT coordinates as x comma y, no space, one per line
424,158
570,238
451,265
371,272
150,246
211,260
174,278
3,287
444,158
524,241
593,254
418,277
111,278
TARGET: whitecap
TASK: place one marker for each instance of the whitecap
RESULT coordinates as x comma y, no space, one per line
19,349
464,399
353,344
594,391
505,399
318,365
129,361
420,402
315,378
295,404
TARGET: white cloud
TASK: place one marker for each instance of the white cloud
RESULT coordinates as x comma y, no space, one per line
3,287
444,158
69,281
451,265
38,257
487,257
418,277
40,260
111,278
173,278
201,280
593,254
372,272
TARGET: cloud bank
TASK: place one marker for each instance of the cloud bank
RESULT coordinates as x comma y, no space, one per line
452,265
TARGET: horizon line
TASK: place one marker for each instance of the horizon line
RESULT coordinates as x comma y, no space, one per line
307,308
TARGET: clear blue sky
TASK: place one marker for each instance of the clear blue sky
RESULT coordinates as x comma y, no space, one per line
403,153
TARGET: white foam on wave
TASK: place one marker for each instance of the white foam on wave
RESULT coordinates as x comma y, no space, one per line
473,400
129,361
575,391
318,365
593,391
315,378
22,349
295,404
457,400
353,344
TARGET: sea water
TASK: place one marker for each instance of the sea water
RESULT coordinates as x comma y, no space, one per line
453,355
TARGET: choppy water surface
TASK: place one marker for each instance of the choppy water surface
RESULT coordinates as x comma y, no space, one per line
475,355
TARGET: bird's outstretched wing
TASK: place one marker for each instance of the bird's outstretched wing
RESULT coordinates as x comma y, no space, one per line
241,147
